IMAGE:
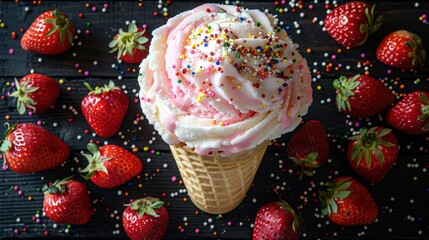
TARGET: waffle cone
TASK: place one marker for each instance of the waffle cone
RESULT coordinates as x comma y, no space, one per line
217,183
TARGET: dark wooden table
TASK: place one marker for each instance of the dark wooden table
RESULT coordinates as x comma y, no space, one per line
402,197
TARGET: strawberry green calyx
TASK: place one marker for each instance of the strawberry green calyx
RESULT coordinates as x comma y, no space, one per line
309,162
146,205
6,144
125,42
99,90
373,24
61,24
368,143
417,53
59,186
334,191
345,89
21,93
425,111
296,226
95,161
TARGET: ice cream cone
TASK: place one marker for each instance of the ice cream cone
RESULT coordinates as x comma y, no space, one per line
217,183
223,90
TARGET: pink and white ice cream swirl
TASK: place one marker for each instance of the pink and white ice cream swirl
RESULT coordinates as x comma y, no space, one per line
223,78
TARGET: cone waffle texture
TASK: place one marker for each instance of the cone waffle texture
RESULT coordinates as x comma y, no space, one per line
217,183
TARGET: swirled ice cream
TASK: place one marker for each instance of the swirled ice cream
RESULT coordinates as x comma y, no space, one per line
221,78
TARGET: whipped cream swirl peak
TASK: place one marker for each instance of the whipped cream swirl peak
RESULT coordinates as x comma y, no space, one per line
222,78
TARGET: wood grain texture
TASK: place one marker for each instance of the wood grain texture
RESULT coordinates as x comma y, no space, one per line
402,197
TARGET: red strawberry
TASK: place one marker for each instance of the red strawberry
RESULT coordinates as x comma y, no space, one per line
104,109
36,92
67,202
276,220
401,49
362,96
51,33
347,202
29,148
350,24
145,218
132,45
111,165
309,147
411,114
372,153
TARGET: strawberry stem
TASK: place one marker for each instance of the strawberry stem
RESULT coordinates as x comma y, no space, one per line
99,90
22,94
368,142
6,144
368,139
307,163
59,186
146,205
125,42
345,89
334,191
425,111
372,25
301,174
88,86
62,24
417,53
95,161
